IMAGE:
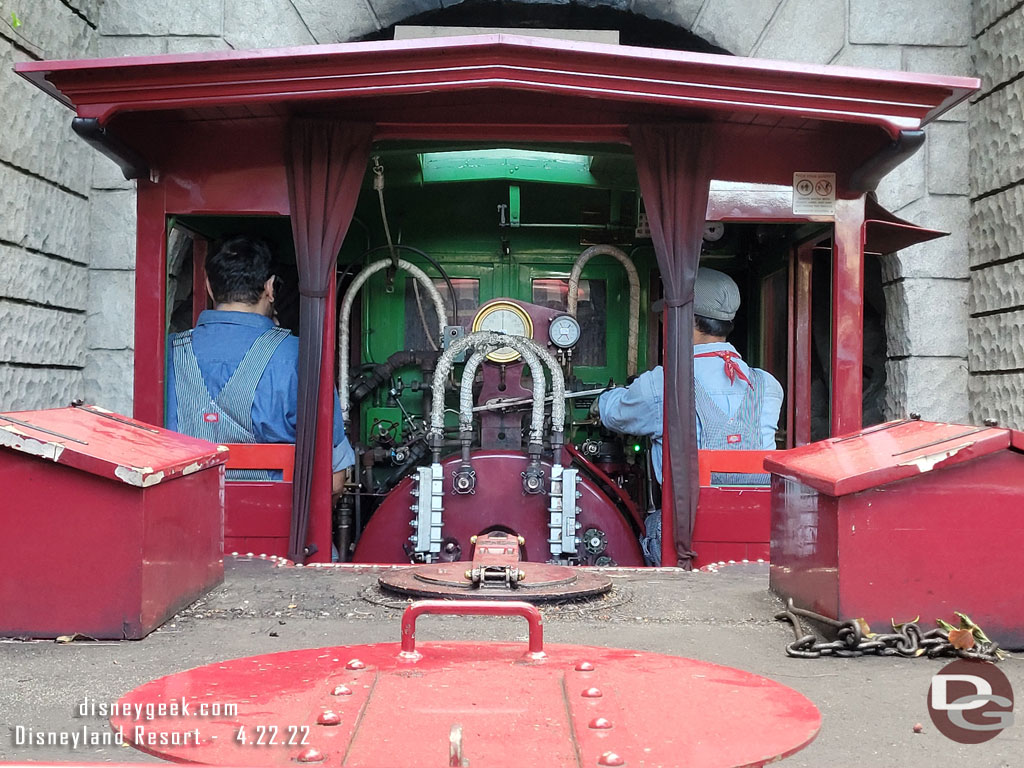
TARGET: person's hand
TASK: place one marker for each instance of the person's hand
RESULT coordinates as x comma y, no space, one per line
338,481
595,410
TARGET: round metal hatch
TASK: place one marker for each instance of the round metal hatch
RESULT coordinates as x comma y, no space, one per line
538,582
459,703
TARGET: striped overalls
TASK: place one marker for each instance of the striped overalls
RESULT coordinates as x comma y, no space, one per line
741,431
226,418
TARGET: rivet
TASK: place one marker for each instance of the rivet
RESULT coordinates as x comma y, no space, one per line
610,758
592,693
521,540
355,664
469,574
234,554
329,718
342,690
263,556
600,724
311,755
249,554
584,666
472,539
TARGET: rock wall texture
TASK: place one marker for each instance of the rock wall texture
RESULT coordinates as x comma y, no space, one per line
68,209
44,211
996,300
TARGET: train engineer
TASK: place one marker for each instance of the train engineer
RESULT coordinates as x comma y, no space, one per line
234,377
737,406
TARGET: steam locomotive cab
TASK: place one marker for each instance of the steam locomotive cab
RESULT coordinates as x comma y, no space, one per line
485,298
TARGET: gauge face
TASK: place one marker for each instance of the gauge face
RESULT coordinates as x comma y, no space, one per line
564,331
503,317
713,231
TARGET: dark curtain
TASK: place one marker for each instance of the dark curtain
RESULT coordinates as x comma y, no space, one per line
673,165
326,163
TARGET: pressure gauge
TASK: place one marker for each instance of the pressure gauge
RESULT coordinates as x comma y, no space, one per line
503,316
564,331
713,231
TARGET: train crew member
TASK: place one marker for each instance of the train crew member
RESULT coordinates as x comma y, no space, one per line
737,406
234,377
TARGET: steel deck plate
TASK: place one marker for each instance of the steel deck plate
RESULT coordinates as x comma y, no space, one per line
541,583
480,704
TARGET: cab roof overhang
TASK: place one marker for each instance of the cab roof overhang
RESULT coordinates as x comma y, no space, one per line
512,87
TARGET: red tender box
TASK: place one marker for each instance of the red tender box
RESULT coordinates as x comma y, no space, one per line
905,519
110,525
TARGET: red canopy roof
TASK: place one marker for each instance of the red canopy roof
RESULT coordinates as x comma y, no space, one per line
590,82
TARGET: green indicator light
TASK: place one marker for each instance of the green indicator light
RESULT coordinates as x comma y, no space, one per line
636,448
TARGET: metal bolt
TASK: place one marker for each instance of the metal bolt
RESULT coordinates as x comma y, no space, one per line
600,724
611,759
311,755
342,690
592,693
521,540
329,718
355,664
584,666
469,574
472,539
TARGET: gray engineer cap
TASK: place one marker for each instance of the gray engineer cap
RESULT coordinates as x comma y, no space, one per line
715,295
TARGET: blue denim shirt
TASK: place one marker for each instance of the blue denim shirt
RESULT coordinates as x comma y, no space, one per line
220,341
639,409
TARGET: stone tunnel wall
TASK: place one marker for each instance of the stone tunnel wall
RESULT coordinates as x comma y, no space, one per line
67,236
996,325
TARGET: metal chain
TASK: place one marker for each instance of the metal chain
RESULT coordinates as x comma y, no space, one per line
909,641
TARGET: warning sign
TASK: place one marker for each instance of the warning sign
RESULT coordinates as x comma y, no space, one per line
814,194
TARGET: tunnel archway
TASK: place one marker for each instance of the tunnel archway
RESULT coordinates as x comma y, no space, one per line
634,28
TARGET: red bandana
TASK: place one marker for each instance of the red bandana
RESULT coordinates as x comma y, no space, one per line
732,370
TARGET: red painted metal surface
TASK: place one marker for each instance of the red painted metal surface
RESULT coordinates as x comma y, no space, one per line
902,522
732,524
107,444
130,520
150,302
493,704
673,79
802,349
847,316
498,504
885,453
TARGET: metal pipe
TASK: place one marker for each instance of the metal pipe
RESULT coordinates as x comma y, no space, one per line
344,318
539,393
489,340
634,294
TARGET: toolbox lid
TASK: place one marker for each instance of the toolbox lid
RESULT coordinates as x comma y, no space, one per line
885,453
107,444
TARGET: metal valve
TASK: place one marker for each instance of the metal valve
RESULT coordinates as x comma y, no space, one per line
533,480
464,480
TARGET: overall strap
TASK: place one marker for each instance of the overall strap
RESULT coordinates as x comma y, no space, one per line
193,396
237,396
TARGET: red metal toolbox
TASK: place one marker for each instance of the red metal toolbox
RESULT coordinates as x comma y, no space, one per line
110,524
903,519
